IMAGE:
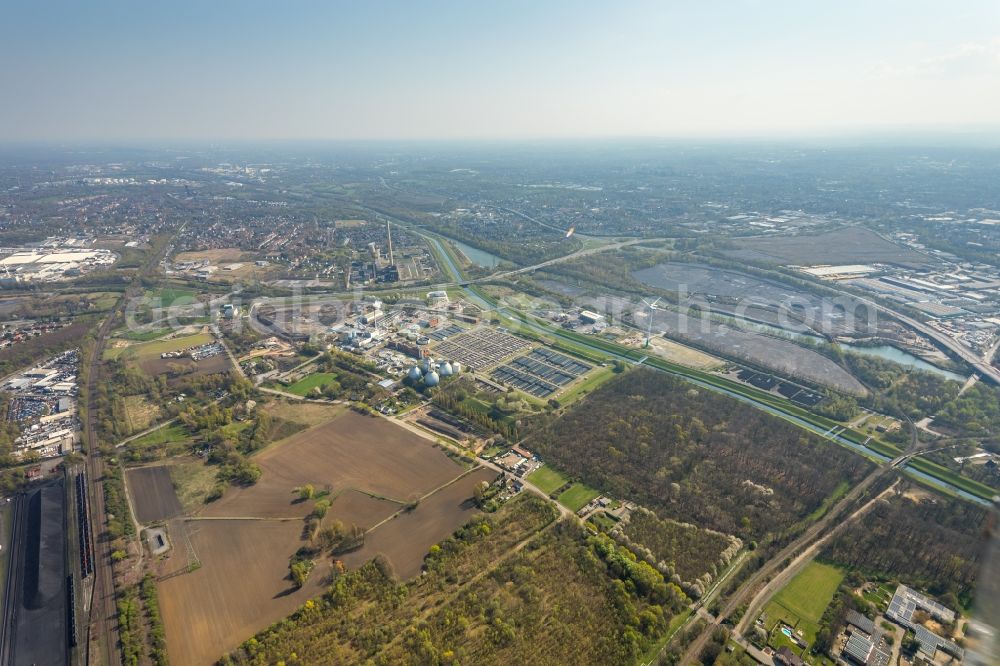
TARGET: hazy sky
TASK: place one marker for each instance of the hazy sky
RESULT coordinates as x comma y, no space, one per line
367,69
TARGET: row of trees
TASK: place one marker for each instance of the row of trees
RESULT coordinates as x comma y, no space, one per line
462,399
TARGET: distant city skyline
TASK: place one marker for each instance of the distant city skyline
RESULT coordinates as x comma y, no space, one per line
116,71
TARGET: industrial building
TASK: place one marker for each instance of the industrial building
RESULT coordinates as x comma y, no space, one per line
905,603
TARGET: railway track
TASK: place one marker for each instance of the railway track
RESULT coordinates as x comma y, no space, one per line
11,587
102,636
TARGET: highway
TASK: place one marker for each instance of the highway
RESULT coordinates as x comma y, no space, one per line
976,362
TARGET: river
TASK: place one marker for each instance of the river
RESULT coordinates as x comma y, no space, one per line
477,256
897,355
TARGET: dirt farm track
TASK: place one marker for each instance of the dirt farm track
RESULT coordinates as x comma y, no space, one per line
371,469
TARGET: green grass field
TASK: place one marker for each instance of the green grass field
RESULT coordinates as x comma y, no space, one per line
154,349
603,521
577,496
145,336
588,384
170,434
547,479
309,382
801,603
170,295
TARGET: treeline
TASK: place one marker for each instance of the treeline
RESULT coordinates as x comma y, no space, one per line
9,431
116,504
898,390
355,378
903,392
975,412
933,544
563,600
140,625
125,379
835,615
696,456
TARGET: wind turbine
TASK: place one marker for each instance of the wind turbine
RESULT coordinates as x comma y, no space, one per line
649,326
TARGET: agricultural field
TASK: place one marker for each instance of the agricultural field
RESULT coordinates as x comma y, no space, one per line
405,539
303,413
231,595
696,456
152,492
929,543
402,492
800,604
193,481
351,451
547,479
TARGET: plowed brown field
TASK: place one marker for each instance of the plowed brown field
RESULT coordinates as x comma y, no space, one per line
244,541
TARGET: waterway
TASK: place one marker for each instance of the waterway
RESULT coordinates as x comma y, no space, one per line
897,355
477,256
887,352
829,435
